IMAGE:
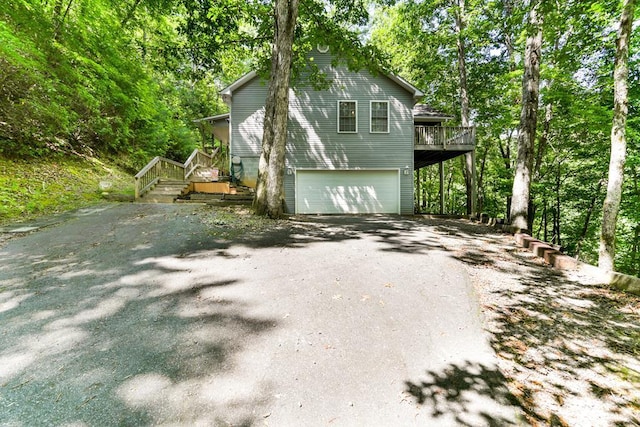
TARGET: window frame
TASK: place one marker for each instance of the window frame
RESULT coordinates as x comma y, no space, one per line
381,101
356,115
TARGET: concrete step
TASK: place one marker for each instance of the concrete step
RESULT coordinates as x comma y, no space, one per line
171,187
164,190
238,196
205,196
156,198
217,202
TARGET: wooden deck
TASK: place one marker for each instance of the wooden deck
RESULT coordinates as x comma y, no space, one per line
435,144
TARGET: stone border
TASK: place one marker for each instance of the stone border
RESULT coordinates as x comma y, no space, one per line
555,258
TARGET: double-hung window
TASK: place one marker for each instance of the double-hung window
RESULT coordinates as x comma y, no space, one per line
379,119
347,116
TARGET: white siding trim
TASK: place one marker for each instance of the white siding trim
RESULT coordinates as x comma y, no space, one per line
371,115
338,115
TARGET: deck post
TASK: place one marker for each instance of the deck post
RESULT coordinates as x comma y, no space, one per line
472,196
418,189
441,170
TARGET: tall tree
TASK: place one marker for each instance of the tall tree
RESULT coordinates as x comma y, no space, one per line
528,119
611,205
269,198
469,158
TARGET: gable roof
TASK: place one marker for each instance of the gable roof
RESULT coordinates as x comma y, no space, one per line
227,92
212,119
426,113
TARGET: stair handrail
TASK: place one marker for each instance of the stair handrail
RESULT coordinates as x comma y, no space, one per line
157,168
161,167
198,158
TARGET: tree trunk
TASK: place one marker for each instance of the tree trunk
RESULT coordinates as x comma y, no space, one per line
611,205
544,139
634,251
480,182
130,13
528,120
59,17
636,237
556,221
269,199
469,159
545,222
587,219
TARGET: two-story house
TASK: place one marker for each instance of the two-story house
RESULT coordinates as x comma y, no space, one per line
351,148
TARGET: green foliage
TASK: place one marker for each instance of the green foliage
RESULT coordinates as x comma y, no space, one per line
79,77
576,83
45,186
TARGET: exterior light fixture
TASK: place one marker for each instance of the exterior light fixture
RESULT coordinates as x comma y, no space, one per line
406,170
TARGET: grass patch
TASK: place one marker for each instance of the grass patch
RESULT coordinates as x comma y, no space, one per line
37,187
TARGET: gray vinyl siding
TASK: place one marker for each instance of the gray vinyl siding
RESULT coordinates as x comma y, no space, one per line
314,141
246,117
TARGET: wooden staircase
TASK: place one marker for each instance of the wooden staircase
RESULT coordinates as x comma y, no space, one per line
167,181
165,191
163,180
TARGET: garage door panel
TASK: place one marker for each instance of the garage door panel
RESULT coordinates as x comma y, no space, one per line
347,191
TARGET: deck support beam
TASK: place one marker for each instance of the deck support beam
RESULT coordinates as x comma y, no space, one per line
441,170
472,192
418,190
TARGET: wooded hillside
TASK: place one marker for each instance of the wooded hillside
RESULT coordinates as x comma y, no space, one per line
99,77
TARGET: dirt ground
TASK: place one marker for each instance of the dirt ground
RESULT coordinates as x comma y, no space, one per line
569,349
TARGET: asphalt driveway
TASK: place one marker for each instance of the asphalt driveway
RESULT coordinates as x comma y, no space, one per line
173,315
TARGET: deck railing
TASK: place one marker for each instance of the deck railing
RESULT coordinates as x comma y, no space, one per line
198,159
444,136
161,167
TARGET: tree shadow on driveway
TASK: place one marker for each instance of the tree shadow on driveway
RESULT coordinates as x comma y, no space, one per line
121,319
568,347
127,322
571,350
106,323
468,391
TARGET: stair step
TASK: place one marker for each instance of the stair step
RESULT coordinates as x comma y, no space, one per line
206,196
165,191
238,197
178,186
152,198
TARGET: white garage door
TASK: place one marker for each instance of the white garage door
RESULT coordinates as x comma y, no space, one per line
347,192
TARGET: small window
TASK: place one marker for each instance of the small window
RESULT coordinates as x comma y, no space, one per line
347,116
379,117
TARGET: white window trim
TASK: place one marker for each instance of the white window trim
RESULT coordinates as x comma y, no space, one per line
338,115
371,114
